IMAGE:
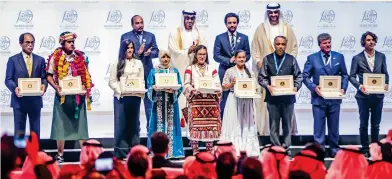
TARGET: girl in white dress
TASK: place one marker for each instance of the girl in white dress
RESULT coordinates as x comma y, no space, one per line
239,117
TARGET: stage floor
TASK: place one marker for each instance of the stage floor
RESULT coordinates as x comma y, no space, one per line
102,126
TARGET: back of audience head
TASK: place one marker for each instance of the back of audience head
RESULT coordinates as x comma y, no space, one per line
252,169
299,174
159,143
225,165
138,164
91,149
8,156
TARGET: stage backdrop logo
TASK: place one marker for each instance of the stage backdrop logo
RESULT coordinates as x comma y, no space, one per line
306,45
350,95
24,20
113,20
5,96
369,19
48,97
244,16
5,46
288,16
202,19
303,96
95,94
387,45
70,18
91,45
157,20
107,72
348,44
47,45
327,19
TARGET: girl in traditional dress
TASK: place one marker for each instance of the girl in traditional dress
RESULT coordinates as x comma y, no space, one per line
69,120
203,109
239,117
126,106
165,116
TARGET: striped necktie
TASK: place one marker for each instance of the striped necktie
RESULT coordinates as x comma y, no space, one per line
29,65
232,43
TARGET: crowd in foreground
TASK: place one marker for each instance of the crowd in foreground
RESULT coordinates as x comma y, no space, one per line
222,163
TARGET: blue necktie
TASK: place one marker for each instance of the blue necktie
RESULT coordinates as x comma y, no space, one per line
232,43
327,66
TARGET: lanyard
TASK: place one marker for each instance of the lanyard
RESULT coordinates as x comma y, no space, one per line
280,65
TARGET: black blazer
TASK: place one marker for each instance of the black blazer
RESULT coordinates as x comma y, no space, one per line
159,162
359,65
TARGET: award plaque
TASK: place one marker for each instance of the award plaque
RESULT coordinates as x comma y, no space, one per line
330,87
374,83
283,85
245,88
206,85
167,81
132,85
30,86
71,85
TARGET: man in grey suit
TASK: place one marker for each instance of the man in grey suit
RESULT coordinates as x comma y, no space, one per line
276,64
368,61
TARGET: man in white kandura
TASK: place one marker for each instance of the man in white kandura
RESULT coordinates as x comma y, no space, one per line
262,45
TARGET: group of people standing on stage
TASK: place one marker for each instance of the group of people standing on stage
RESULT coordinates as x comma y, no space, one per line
210,117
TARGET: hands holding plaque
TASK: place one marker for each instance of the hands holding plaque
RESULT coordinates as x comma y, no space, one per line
373,84
245,88
29,87
131,85
282,85
330,87
207,85
166,81
71,85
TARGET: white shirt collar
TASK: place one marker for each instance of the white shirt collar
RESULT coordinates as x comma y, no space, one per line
25,55
368,55
235,33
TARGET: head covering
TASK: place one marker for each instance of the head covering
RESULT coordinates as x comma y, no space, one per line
202,164
308,162
224,146
379,170
275,163
264,150
349,163
163,52
189,13
90,151
67,36
267,25
51,164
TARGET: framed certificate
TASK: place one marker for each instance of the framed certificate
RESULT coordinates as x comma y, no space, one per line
283,85
330,87
167,81
132,85
30,86
206,85
245,88
374,83
71,85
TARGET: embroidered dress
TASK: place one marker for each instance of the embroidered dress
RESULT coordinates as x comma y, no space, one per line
204,113
239,125
165,116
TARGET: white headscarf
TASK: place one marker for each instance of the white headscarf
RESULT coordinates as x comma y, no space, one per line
267,24
185,34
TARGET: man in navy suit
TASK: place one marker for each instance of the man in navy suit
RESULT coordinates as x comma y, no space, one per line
368,61
224,48
145,49
25,65
325,63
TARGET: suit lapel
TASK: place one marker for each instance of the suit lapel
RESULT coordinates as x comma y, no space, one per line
228,47
377,61
23,64
35,63
321,61
364,60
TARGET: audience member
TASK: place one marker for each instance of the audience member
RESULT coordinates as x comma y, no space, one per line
349,163
299,174
225,166
252,169
139,165
275,163
160,147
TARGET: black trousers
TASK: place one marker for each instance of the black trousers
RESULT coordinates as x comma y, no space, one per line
276,112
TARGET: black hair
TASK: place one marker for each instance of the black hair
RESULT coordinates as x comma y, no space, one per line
159,142
132,21
138,164
246,68
22,36
121,57
252,168
225,165
231,14
363,37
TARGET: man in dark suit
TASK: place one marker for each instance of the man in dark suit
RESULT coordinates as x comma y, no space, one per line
25,65
277,64
368,61
160,147
224,48
325,63
145,49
